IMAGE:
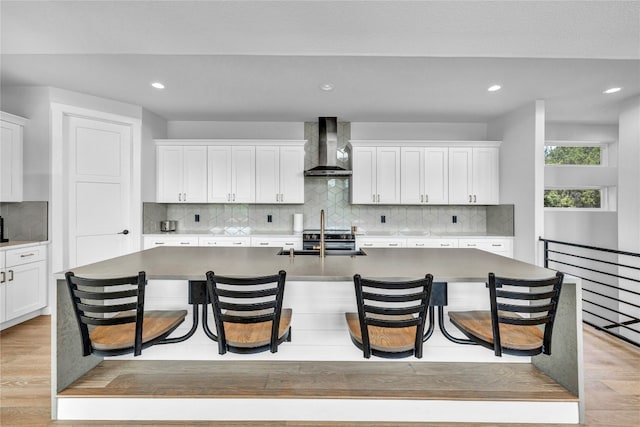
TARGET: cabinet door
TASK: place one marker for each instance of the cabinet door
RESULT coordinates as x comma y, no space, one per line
363,183
268,174
436,175
388,175
412,178
292,174
10,162
169,174
194,188
243,174
485,176
26,289
460,185
219,174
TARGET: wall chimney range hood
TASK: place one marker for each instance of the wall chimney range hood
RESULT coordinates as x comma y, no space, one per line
327,150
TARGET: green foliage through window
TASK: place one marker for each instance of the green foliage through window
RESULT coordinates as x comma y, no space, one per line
572,198
560,155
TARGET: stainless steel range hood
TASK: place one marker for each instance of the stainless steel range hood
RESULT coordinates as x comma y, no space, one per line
328,150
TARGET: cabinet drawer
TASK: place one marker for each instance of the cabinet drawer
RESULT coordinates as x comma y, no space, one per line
25,255
225,241
380,242
153,241
284,243
432,243
497,246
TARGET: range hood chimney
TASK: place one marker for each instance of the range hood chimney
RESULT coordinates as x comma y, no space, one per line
328,150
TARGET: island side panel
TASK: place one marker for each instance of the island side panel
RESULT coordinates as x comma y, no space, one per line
69,362
565,364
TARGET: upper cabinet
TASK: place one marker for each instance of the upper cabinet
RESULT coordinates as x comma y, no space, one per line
11,157
280,174
376,174
473,175
232,174
424,175
181,174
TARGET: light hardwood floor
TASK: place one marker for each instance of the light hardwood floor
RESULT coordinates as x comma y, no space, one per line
612,383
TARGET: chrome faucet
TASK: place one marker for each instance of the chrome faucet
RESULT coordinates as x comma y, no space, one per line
322,245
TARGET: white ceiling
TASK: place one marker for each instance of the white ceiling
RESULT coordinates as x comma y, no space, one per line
388,60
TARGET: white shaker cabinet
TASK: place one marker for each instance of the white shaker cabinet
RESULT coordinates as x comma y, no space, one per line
225,241
363,242
231,174
473,175
11,149
24,281
181,174
376,175
280,174
286,243
424,175
416,242
151,241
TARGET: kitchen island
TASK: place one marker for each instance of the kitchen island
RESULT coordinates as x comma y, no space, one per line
319,290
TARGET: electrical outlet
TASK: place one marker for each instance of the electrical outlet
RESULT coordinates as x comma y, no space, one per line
383,219
197,218
269,218
454,219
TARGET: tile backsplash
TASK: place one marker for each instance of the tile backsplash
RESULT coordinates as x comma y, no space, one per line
332,195
25,220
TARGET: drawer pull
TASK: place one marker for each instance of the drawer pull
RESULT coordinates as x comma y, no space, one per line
445,244
237,243
264,243
27,255
10,275
496,244
393,244
185,243
4,277
419,244
158,243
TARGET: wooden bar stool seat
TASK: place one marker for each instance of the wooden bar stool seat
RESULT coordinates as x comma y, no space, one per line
391,316
248,312
520,321
111,317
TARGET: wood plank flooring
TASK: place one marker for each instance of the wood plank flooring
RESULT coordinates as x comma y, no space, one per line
612,381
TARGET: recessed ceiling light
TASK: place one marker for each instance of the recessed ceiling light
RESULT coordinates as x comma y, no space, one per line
157,85
494,88
326,87
613,90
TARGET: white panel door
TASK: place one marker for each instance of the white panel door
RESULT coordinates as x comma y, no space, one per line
364,175
10,162
194,174
243,174
219,174
412,177
267,174
485,175
292,174
436,175
388,175
99,183
460,178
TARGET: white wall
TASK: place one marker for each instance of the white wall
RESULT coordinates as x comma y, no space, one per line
234,130
434,131
153,127
521,173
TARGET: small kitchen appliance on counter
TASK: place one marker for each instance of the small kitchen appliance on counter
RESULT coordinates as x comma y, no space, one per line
168,225
2,238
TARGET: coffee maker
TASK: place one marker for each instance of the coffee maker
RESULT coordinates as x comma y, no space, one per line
2,239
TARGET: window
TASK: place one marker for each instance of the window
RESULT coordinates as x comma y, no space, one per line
573,155
579,198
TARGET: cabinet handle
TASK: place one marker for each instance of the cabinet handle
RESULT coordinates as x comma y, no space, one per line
10,275
378,198
237,243
4,277
367,244
184,243
158,243
373,198
426,198
421,198
393,244
419,244
228,197
496,244
281,197
184,197
445,244
474,198
469,198
179,197
26,255
471,245
264,243
233,198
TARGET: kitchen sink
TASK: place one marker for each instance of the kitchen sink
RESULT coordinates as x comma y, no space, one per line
334,252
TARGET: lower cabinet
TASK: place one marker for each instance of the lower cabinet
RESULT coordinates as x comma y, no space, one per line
280,242
431,243
23,280
380,242
155,241
225,241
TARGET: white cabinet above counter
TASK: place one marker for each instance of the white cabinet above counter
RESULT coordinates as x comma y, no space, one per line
230,171
413,172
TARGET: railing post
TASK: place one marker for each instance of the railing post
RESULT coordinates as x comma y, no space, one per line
546,254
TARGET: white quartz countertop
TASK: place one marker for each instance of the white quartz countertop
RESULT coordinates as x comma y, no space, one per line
192,263
17,244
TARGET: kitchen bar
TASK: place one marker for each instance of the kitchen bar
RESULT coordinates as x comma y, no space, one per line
305,274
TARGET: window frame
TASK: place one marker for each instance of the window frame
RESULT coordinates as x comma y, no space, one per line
607,200
604,152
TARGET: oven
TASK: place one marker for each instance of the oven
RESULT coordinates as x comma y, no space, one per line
334,240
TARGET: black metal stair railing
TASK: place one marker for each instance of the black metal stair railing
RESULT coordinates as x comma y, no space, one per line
610,285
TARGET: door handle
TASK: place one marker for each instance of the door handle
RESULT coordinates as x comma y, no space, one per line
125,232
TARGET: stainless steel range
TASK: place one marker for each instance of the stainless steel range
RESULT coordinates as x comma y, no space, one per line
335,240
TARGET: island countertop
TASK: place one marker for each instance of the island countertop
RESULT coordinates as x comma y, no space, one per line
191,263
